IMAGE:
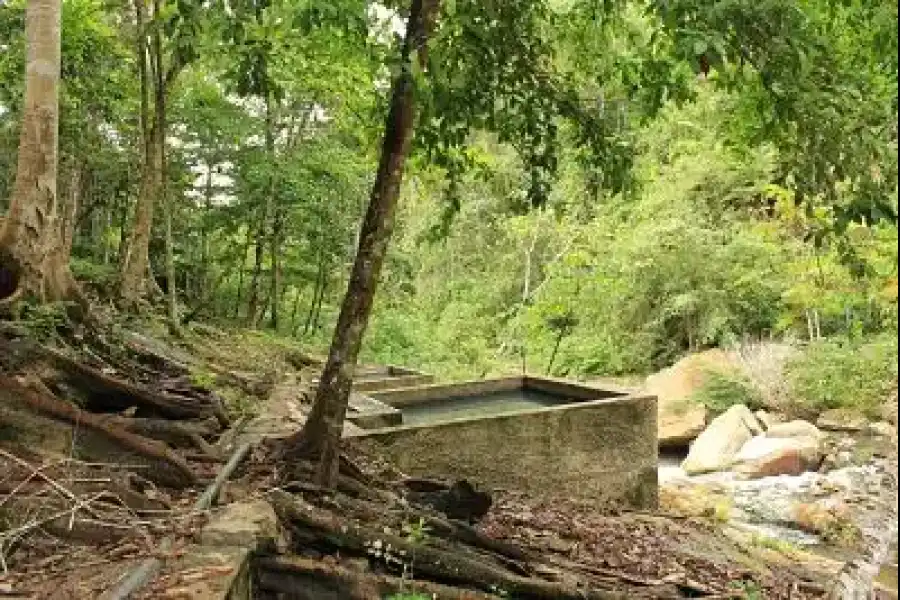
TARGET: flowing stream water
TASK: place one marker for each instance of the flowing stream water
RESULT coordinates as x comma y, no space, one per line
764,506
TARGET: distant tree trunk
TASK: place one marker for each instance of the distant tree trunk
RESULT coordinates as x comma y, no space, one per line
204,235
242,267
298,293
275,293
160,142
266,209
33,263
70,209
318,289
136,263
321,434
258,255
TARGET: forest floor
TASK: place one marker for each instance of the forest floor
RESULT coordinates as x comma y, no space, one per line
69,527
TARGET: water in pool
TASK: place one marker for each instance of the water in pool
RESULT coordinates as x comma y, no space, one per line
482,405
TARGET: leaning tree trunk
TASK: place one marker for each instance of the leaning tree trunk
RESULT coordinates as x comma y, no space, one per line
32,260
321,433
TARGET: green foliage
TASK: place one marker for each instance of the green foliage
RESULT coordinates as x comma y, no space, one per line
720,391
580,202
817,79
44,321
203,378
749,590
845,374
407,596
416,533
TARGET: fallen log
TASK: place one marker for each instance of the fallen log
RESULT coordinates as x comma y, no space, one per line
437,524
119,394
450,566
181,434
305,579
165,466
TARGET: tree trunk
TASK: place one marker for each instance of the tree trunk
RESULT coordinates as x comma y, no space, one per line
295,307
277,221
160,142
318,289
204,234
276,292
321,433
136,263
266,212
241,269
69,210
32,260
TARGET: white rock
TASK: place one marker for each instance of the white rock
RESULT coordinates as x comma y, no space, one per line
716,447
765,456
795,429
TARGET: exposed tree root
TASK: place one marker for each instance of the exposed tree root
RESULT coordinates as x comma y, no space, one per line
117,393
434,559
181,434
396,513
166,467
306,579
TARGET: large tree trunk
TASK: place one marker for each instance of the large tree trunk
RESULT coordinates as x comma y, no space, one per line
322,431
32,260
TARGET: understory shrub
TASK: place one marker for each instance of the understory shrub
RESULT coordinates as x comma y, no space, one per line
720,391
844,374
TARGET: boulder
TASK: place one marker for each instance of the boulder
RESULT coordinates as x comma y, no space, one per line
679,428
765,456
781,459
795,429
243,524
888,412
680,419
883,429
716,447
842,419
767,419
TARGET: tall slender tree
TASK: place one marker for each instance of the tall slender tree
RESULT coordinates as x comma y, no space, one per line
33,261
321,434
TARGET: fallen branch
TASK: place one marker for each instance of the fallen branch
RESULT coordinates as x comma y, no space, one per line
451,566
177,433
117,393
290,574
169,468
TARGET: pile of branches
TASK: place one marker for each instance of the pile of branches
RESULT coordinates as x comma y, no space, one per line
125,401
48,507
369,539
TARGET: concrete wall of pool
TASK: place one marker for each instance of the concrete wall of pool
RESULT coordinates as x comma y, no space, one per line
547,437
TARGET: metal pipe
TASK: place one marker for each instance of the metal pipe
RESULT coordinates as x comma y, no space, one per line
147,570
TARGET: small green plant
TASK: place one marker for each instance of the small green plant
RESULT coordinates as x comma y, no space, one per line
748,589
415,533
770,543
721,391
202,378
842,533
721,511
44,321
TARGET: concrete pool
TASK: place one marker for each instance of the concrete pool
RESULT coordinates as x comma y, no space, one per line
544,436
